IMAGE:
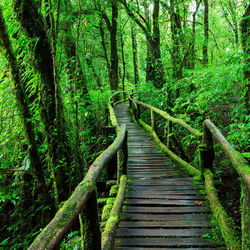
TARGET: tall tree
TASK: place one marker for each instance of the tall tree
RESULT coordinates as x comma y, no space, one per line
155,70
135,57
112,24
59,150
245,41
27,118
229,8
192,48
176,33
206,33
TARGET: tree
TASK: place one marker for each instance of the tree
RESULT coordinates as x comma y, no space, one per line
135,58
245,41
51,108
112,64
155,72
27,119
206,33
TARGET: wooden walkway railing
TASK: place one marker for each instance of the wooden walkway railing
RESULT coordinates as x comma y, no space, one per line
207,152
82,203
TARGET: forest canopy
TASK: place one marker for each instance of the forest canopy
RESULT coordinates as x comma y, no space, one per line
60,62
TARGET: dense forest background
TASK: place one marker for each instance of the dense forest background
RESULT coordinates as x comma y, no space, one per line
60,62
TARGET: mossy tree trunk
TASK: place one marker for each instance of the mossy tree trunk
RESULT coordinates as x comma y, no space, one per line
206,34
112,24
245,41
26,116
176,31
154,69
135,57
59,150
114,52
192,48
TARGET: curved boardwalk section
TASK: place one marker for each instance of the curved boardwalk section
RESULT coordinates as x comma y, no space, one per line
163,209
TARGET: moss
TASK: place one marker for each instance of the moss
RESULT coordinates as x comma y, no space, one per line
245,216
107,209
113,191
224,221
112,116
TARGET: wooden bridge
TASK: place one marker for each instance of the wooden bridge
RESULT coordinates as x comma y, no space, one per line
160,206
163,207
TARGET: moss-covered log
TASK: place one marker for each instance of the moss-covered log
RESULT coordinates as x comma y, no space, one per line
245,216
172,119
112,115
114,99
243,169
54,232
112,223
239,163
90,229
225,224
189,168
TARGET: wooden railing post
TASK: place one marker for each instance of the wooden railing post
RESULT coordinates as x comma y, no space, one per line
152,119
122,156
90,229
112,167
169,133
138,112
245,216
124,169
206,150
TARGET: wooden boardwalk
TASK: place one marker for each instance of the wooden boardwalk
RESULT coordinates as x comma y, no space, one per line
163,209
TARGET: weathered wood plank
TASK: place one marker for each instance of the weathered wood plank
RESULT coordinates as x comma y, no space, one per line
162,188
178,182
132,232
138,195
167,192
166,248
165,210
163,217
164,224
160,202
163,242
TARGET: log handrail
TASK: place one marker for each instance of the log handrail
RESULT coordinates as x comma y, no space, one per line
170,118
117,93
206,148
238,161
53,233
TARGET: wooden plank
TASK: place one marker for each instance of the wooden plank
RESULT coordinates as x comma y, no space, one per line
139,195
161,188
160,202
149,164
163,217
166,210
163,242
167,192
154,175
176,181
141,232
165,224
149,170
166,248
